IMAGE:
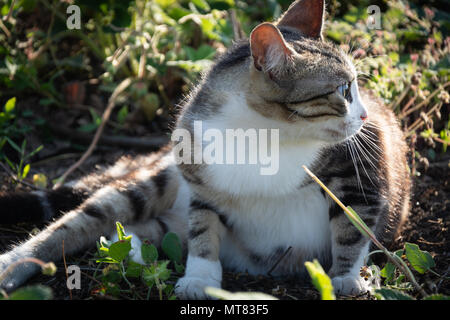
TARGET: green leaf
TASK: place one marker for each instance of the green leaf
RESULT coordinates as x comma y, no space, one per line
437,297
420,260
106,260
121,232
119,250
32,153
112,276
391,294
25,171
149,252
221,4
122,114
134,270
171,245
388,272
14,145
320,280
37,292
156,271
179,267
202,4
10,105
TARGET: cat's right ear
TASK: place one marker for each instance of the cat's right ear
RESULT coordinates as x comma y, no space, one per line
269,50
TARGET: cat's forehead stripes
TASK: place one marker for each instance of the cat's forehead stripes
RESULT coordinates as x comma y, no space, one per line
314,46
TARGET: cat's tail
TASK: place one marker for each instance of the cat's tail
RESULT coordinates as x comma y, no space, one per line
39,206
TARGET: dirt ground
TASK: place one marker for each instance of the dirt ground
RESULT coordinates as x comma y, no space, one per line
428,226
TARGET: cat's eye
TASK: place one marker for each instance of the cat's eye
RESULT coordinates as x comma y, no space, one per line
344,90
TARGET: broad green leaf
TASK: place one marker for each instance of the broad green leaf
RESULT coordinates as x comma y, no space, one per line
226,295
37,292
171,245
134,269
149,252
320,280
391,294
420,260
119,250
388,272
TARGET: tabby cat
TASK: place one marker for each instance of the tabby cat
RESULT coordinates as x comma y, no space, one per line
284,77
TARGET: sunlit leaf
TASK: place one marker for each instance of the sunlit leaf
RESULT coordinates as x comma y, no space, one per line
320,280
420,260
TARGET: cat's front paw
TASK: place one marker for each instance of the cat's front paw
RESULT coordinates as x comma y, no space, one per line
193,288
350,285
200,273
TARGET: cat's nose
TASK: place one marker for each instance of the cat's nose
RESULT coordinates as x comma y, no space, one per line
363,116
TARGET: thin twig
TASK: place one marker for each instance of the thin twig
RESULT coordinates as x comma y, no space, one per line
146,143
424,102
397,101
5,29
420,122
65,269
10,11
237,30
279,260
106,114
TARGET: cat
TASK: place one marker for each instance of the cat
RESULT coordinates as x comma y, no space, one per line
285,77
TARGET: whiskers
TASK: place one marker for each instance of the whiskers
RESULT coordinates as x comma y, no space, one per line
365,153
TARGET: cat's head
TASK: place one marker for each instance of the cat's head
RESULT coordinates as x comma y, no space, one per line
300,79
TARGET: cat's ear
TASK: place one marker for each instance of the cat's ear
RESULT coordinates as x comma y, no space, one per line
305,16
269,50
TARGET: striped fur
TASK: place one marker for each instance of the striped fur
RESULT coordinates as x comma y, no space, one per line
231,215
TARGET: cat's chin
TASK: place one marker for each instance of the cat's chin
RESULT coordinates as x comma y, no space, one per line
335,136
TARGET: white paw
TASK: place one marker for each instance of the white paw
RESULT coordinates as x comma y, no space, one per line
193,288
350,285
200,273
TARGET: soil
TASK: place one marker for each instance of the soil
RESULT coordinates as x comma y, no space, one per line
427,226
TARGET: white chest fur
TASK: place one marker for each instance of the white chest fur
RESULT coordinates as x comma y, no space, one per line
263,225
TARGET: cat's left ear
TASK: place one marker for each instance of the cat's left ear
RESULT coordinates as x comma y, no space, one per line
305,16
269,50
